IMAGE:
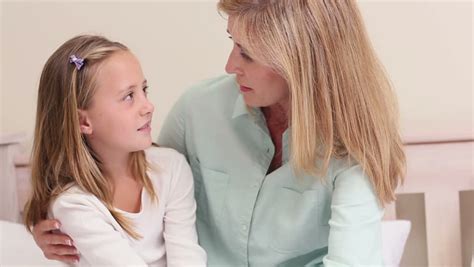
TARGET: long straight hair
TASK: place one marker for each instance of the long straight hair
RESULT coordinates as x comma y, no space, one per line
342,103
61,155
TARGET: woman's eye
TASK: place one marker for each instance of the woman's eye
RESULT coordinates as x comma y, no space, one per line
245,56
145,90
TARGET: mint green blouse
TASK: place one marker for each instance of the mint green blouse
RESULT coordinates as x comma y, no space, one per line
248,218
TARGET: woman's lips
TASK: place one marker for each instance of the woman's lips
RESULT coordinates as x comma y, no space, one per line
245,89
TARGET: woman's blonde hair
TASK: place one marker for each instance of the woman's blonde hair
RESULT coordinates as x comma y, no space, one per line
61,155
342,103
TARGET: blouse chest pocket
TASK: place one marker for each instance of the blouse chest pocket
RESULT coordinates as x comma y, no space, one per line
300,220
210,191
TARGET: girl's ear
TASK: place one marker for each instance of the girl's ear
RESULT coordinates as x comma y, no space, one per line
84,122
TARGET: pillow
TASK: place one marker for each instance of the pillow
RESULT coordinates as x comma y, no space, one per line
17,247
394,237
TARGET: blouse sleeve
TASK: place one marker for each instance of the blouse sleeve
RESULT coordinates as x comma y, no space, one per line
181,241
355,237
87,221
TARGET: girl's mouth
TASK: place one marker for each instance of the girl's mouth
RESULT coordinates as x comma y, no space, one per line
145,127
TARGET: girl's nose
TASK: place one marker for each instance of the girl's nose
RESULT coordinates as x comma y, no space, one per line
147,107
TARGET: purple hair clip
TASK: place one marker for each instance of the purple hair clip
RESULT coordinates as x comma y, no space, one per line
79,62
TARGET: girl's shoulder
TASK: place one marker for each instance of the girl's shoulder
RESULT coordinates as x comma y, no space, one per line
72,189
158,154
165,158
169,170
73,198
72,192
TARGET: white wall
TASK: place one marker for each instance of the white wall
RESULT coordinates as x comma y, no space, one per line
426,47
178,43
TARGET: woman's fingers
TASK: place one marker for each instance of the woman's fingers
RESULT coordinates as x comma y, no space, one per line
54,244
62,258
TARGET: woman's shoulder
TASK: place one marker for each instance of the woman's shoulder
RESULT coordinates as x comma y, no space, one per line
351,178
211,90
341,166
216,83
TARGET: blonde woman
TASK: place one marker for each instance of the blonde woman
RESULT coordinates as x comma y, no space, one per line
122,201
296,152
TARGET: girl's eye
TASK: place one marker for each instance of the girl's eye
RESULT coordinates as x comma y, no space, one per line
128,97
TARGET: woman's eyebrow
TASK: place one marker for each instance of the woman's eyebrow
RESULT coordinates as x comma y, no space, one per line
238,45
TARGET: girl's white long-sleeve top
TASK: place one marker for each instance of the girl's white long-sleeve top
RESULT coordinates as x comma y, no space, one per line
167,226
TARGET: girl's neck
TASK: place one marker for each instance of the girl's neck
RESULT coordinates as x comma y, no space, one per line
115,165
126,189
116,168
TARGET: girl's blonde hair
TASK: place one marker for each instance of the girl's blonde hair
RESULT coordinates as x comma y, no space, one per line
61,155
342,103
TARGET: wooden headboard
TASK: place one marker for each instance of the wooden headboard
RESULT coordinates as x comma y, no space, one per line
437,197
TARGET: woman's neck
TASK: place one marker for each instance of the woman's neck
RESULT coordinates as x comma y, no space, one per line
276,116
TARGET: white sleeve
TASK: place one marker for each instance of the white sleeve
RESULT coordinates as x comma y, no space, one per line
181,241
355,237
85,219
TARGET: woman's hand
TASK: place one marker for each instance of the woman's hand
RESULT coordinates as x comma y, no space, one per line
55,245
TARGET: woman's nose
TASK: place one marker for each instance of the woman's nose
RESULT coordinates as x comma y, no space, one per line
233,63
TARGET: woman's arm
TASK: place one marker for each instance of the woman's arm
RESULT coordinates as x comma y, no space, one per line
355,237
55,245
86,220
181,241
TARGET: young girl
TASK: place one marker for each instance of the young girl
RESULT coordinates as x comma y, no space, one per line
122,201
